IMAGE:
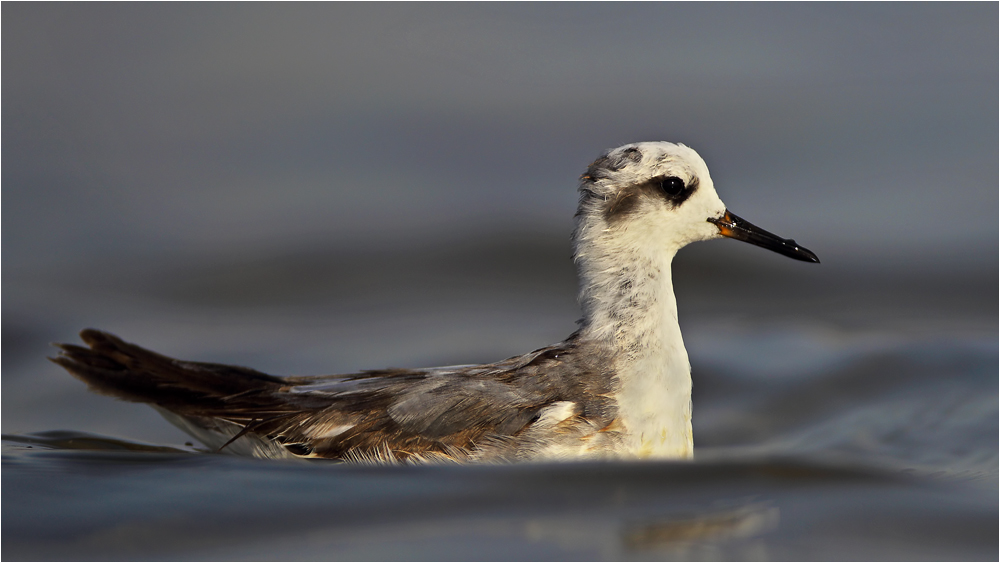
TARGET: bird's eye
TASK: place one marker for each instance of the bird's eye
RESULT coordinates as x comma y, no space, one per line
672,186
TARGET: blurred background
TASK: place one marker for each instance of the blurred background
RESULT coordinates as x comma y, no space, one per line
337,187
323,188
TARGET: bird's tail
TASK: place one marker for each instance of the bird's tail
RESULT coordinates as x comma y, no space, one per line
227,408
111,366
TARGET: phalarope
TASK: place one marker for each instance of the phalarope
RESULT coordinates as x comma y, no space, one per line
619,387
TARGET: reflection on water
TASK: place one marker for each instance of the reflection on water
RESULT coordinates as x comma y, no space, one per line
110,503
66,440
742,522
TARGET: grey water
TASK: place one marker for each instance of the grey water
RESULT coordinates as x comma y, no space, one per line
325,188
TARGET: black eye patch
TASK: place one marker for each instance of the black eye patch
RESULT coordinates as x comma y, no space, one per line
672,188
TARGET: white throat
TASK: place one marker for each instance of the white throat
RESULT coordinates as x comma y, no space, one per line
639,205
628,299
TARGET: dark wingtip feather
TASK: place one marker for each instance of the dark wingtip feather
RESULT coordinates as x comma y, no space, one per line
93,337
76,358
111,366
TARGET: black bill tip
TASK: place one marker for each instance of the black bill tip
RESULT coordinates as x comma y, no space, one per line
735,227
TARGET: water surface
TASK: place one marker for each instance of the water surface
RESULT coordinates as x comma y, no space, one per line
833,420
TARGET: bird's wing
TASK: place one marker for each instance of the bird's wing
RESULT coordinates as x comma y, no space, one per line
394,414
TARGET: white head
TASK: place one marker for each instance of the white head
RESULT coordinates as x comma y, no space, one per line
655,194
653,199
639,204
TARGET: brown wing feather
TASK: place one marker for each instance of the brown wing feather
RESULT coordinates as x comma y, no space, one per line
400,414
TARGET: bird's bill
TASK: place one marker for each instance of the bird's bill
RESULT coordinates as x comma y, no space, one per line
740,229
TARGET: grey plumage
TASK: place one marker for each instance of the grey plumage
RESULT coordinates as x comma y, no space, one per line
462,413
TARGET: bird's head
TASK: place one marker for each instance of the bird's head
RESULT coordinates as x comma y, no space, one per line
656,197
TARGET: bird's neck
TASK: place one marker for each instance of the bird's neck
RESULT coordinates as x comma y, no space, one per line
629,305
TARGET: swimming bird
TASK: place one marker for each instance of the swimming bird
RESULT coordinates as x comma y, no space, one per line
618,387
